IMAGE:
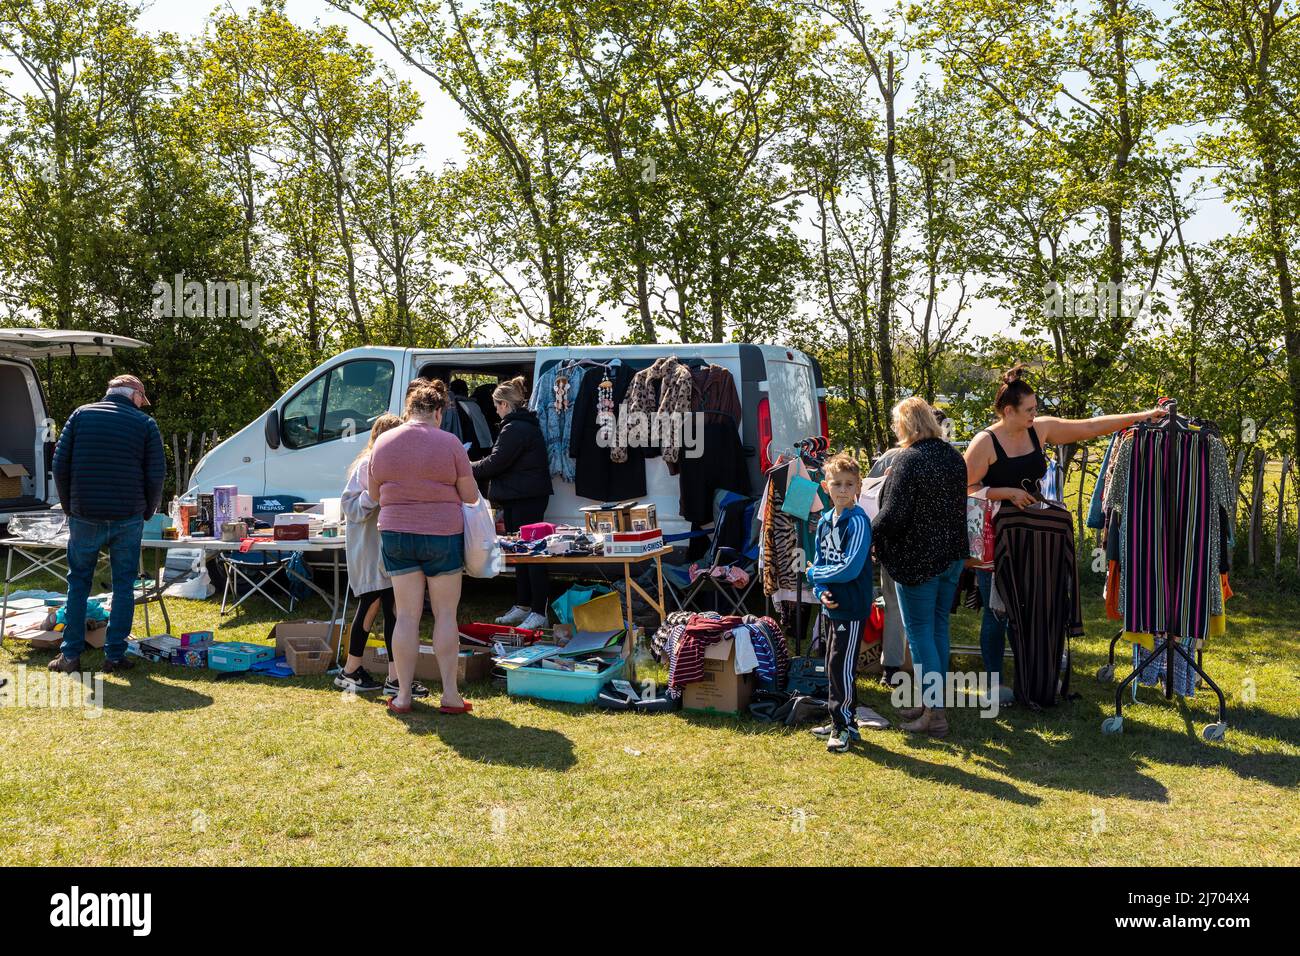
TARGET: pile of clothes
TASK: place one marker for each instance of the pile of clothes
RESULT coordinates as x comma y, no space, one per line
760,647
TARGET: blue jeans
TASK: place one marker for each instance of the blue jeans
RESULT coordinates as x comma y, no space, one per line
86,538
993,629
925,608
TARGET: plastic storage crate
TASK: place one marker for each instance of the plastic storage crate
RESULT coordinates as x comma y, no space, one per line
572,687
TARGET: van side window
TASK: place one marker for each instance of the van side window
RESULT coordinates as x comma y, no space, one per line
344,401
358,393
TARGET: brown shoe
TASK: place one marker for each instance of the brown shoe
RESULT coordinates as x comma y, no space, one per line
921,724
938,728
65,665
910,713
122,665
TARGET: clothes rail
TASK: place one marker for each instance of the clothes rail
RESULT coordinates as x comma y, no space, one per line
1165,644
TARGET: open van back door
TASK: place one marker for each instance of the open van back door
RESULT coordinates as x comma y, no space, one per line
35,344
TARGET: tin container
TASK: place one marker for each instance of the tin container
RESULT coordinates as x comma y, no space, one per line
234,531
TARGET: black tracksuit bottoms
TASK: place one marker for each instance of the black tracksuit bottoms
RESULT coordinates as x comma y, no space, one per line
842,670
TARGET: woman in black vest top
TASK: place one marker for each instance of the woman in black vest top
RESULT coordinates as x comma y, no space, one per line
1007,458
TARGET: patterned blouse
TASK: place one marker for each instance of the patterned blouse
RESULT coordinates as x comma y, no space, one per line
921,527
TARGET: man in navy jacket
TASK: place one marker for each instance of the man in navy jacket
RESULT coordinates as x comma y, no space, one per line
108,467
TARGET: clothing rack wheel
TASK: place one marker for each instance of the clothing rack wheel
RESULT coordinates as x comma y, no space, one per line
1169,647
1106,673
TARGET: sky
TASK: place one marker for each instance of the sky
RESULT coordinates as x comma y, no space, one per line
441,120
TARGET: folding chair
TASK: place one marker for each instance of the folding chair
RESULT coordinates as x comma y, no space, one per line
259,569
733,543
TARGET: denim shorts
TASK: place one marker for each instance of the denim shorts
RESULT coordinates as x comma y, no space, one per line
434,554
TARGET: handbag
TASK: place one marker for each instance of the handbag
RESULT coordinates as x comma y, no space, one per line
808,677
483,557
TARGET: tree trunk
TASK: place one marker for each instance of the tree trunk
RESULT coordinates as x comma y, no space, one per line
1256,510
1281,513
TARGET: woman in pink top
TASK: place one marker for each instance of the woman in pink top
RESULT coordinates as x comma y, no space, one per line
420,475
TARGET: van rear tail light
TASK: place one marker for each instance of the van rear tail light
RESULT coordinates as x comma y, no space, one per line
825,417
764,433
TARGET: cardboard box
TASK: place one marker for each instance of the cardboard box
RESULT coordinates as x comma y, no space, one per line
330,634
11,480
473,665
307,655
722,691
621,515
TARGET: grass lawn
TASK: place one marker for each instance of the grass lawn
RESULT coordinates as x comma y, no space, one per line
188,768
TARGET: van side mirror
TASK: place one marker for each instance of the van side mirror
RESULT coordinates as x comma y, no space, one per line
273,428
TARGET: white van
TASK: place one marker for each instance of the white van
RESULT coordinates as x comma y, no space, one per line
304,444
27,433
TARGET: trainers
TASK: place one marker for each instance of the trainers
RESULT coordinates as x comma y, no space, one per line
418,690
358,682
825,730
65,665
122,665
533,622
513,616
838,742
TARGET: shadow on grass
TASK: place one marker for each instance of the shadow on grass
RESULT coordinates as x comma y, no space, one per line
494,741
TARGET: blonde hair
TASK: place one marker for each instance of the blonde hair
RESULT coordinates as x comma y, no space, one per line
382,424
914,421
513,392
842,462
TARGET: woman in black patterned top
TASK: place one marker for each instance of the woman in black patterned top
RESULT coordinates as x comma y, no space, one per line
920,538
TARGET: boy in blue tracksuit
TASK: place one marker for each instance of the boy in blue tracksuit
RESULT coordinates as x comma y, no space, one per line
841,576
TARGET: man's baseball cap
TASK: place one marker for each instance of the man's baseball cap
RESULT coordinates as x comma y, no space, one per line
131,382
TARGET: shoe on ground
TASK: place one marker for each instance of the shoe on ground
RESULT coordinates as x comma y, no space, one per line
122,665
839,741
533,622
513,616
910,713
933,722
358,682
65,665
418,690
919,725
824,731
887,675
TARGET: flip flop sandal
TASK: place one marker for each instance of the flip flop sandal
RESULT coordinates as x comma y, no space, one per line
464,708
394,709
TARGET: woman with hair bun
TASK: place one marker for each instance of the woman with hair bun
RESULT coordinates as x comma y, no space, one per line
1007,458
420,475
519,483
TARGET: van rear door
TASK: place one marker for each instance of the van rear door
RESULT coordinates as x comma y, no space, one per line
790,402
27,433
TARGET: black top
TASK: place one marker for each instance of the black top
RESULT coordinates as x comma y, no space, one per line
921,527
518,466
1023,471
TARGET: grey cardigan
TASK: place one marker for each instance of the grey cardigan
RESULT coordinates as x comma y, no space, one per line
365,566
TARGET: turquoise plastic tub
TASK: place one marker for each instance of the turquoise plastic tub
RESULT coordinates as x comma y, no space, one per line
237,655
570,687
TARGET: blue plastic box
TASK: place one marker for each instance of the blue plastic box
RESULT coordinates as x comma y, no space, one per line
237,655
572,687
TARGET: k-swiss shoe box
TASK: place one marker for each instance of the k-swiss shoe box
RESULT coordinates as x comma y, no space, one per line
625,543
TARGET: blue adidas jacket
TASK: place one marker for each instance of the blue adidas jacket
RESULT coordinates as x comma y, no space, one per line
843,564
108,464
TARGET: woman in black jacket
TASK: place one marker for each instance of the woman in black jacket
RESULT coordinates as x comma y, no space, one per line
519,484
920,538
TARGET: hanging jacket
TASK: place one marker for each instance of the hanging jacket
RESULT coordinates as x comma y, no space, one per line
553,400
672,381
596,475
517,466
108,464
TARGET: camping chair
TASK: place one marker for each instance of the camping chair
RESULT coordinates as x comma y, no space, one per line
734,543
259,569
